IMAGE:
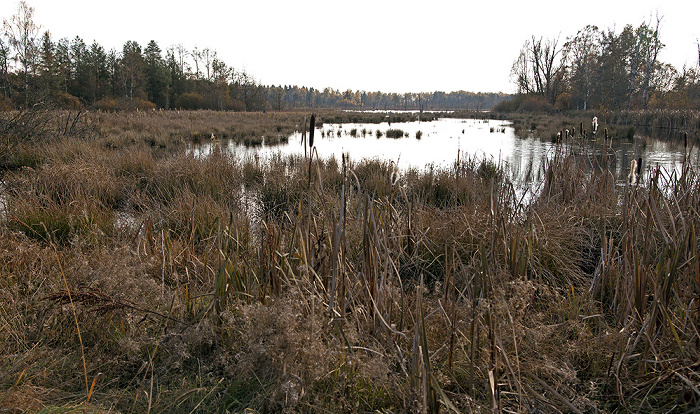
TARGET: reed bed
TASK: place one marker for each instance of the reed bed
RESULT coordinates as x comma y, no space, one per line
141,280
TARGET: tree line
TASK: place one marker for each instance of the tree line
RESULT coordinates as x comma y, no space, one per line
604,70
71,73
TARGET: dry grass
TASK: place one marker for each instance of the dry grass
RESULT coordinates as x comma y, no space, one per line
211,284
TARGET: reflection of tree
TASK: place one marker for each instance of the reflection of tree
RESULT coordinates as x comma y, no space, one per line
527,161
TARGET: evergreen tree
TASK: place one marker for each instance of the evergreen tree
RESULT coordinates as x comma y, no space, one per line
48,67
63,64
157,77
176,77
98,74
78,84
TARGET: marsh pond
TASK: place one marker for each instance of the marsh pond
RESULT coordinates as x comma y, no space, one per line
440,143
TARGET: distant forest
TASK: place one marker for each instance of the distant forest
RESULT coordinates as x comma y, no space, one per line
70,73
597,69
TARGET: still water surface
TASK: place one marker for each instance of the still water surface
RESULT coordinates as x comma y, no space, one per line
442,140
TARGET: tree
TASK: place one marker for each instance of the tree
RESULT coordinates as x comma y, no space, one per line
548,72
131,69
22,34
157,76
220,74
197,59
5,84
113,73
48,67
650,44
612,68
63,64
277,95
521,72
175,66
98,72
582,54
537,69
79,69
246,90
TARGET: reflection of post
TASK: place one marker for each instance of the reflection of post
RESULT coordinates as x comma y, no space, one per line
420,106
303,137
312,126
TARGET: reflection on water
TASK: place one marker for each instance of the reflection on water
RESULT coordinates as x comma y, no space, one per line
441,142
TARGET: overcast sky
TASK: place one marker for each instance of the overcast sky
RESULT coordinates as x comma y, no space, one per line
392,46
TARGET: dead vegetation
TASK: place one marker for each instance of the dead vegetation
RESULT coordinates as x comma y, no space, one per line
135,278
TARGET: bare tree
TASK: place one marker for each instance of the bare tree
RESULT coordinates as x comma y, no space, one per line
197,56
633,70
651,46
539,70
180,53
521,72
22,34
207,57
548,71
5,69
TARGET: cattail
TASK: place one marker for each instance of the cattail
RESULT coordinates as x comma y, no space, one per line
566,135
606,134
632,177
639,166
394,174
312,126
685,140
216,147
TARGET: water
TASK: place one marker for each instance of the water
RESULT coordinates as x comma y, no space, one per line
444,140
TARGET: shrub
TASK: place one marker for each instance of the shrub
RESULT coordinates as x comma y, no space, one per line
68,101
535,103
190,100
524,103
5,104
136,104
510,105
106,104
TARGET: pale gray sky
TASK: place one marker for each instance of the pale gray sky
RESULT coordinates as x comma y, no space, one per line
392,46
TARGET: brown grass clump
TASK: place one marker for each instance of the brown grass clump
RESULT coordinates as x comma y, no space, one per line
214,284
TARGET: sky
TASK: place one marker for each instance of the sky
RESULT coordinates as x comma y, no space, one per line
370,45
